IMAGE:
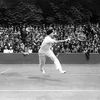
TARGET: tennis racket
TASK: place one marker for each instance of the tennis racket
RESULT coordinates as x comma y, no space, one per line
79,37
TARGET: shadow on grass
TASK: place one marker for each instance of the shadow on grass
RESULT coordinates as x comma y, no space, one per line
45,78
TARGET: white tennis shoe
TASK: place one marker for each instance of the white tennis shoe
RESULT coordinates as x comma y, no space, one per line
43,71
63,72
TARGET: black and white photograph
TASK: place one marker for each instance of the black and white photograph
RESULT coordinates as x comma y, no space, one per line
49,49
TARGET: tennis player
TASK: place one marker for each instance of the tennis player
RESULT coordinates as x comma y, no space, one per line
45,50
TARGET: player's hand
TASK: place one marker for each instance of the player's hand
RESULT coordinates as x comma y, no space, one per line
68,39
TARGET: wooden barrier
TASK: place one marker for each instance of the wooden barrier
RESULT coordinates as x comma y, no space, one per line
64,58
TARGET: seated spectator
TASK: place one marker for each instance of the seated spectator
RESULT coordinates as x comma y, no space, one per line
10,50
6,50
30,50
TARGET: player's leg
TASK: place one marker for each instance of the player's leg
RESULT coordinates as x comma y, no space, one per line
42,62
56,61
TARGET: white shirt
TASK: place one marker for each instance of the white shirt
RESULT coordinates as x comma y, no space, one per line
30,51
46,44
6,51
11,51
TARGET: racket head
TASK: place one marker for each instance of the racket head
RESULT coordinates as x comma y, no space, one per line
81,37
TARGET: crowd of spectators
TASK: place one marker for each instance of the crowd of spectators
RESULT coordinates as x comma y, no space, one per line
18,39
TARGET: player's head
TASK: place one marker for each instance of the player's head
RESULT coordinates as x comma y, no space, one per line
49,31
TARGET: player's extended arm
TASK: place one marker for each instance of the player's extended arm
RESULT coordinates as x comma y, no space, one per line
68,39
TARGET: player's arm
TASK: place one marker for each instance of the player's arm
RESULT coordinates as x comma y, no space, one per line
61,41
68,39
58,41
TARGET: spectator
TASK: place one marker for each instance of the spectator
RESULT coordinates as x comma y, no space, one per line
6,50
10,50
24,36
30,50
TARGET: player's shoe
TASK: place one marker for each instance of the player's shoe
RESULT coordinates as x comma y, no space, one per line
43,71
63,72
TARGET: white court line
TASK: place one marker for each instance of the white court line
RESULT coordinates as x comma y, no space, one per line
50,90
85,74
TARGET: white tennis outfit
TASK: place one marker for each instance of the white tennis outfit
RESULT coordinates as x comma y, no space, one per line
45,50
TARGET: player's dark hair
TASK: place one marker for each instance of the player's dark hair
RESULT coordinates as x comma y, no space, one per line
49,31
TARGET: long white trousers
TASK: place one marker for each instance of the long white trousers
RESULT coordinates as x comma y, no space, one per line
51,55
